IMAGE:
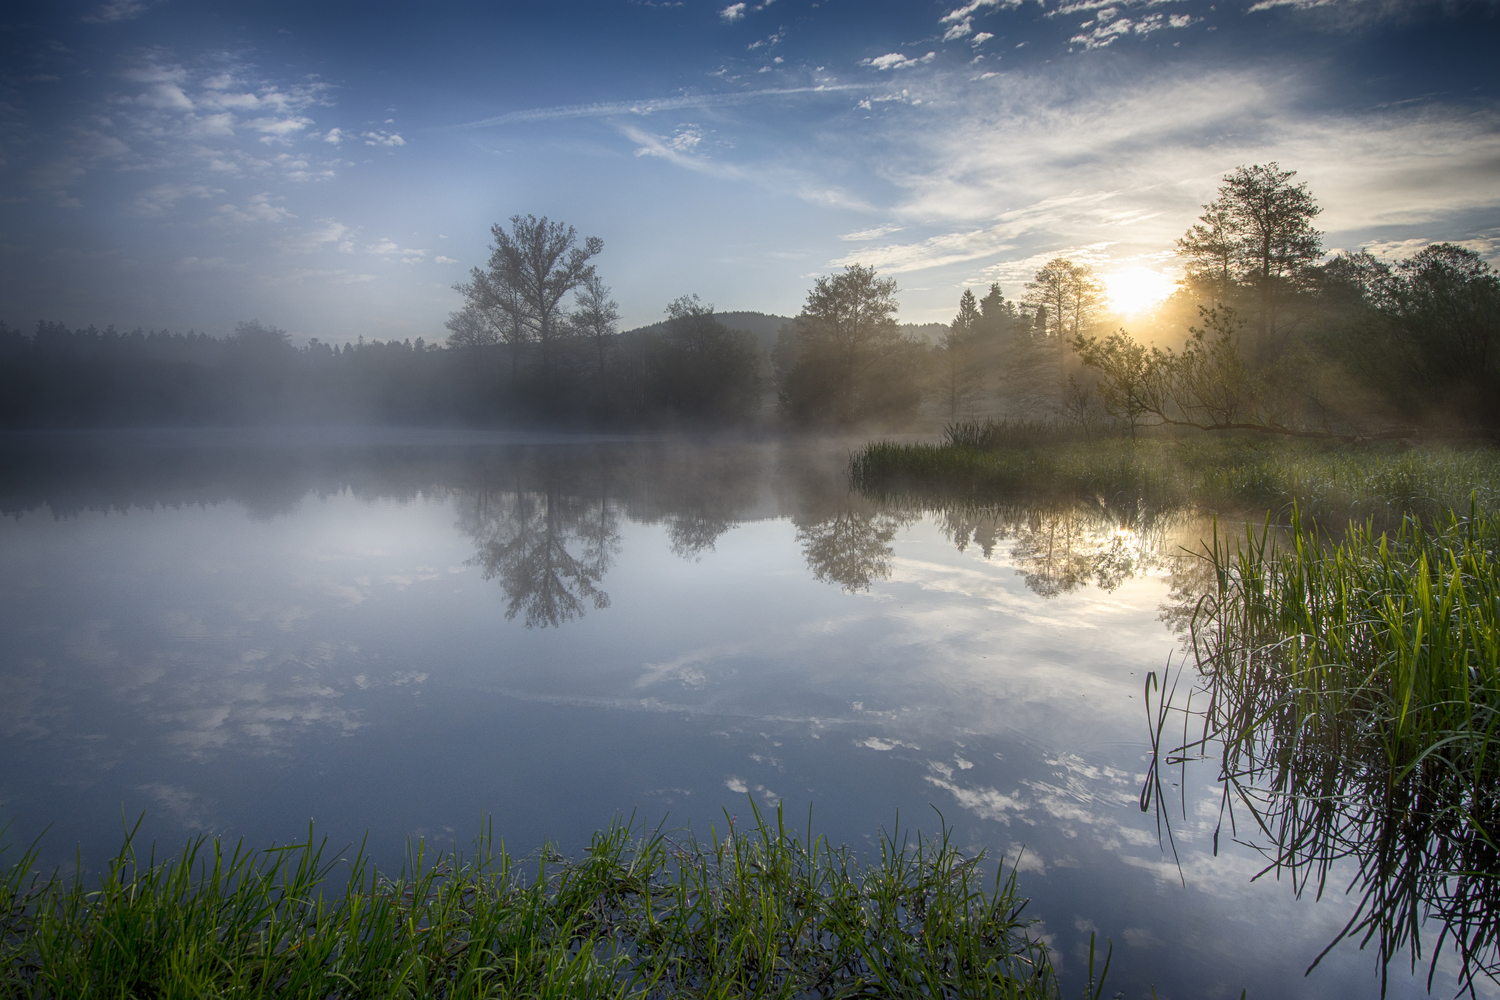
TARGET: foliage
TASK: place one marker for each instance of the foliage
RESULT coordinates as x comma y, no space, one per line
1328,483
844,360
757,912
1259,230
1353,696
696,367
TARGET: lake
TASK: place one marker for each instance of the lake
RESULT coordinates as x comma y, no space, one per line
404,634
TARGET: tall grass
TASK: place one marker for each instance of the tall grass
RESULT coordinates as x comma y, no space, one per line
1330,484
758,912
1354,694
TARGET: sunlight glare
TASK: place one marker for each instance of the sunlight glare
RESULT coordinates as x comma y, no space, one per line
1134,290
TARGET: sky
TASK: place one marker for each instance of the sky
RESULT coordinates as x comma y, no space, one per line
334,168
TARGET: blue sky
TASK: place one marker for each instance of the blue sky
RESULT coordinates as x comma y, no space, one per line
334,168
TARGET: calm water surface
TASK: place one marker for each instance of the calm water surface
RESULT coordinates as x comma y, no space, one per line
400,635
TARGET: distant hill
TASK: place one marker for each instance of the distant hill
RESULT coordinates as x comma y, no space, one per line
766,327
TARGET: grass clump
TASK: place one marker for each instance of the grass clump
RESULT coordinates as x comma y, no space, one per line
1329,483
756,913
1354,695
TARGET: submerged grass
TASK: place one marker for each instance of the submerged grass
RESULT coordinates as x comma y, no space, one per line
1330,484
1354,692
756,913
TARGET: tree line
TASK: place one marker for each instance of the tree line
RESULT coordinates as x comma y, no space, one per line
1262,334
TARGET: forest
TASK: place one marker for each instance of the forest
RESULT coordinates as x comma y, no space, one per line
1267,332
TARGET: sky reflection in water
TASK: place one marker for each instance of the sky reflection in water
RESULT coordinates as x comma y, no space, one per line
403,635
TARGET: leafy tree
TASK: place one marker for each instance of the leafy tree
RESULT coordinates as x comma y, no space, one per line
697,367
844,359
538,263
504,309
1259,230
595,315
959,367
1441,350
471,327
1067,298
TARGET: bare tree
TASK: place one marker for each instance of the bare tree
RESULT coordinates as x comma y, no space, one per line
541,262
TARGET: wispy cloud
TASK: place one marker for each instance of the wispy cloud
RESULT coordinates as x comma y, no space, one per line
615,109
115,11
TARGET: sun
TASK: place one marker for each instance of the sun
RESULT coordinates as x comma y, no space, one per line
1133,290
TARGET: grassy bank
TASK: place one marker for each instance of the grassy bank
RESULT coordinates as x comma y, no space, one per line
1330,484
1354,697
754,913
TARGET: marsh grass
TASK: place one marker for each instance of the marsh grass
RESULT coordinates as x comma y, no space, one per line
1329,484
1353,692
757,912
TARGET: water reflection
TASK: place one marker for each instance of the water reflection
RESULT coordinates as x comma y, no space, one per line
324,631
548,551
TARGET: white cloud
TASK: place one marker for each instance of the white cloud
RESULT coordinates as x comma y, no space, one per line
962,14
335,136
275,129
982,37
733,12
871,234
440,259
383,138
330,233
895,60
958,30
257,209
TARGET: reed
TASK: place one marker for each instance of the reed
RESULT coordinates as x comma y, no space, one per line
1353,693
757,912
1329,484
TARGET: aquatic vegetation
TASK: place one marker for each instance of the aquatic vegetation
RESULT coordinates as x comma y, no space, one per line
1353,697
1329,483
756,912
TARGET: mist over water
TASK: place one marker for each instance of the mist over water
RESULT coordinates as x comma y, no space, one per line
399,633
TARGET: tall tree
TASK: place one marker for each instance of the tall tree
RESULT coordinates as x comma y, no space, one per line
844,359
504,309
541,262
1070,295
960,371
1261,228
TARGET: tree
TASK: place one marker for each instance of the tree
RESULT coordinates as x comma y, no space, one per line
1444,352
1067,298
960,371
844,359
699,368
1260,228
540,262
504,309
471,327
595,315
1210,247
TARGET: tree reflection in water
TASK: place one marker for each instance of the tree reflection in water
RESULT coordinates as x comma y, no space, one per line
548,550
1060,547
